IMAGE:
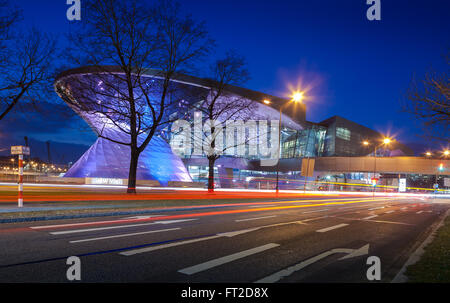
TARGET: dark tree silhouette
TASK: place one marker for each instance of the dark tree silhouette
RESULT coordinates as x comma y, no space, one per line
221,106
135,39
26,59
429,101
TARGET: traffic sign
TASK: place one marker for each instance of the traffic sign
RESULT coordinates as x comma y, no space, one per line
20,150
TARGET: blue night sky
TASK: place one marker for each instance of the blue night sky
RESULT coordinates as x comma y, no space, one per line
354,68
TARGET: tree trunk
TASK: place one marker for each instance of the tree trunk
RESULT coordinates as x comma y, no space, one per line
211,161
132,173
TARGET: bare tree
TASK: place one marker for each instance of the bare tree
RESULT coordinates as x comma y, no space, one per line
429,101
25,62
126,42
9,16
221,105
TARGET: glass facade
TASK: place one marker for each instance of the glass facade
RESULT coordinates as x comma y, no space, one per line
308,142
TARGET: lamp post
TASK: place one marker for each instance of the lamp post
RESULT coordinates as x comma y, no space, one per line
386,141
296,97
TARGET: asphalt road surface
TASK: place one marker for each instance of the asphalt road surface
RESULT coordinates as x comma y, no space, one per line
324,239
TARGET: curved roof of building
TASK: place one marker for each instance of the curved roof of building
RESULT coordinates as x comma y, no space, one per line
297,113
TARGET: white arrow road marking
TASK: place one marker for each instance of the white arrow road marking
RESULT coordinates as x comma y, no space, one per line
357,252
125,235
390,212
219,235
323,230
250,219
223,260
116,227
290,270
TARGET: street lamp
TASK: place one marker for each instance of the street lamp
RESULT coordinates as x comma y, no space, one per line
386,141
297,97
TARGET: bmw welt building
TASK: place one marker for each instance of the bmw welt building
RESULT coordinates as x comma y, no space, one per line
160,161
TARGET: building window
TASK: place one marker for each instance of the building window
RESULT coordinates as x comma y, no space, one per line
343,133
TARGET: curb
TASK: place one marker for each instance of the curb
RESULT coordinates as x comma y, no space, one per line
417,254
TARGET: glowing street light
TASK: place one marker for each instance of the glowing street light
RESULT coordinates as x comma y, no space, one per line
266,101
298,96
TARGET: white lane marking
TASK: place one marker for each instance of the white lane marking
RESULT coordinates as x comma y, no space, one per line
223,260
250,219
376,221
290,270
116,227
370,217
152,248
390,212
226,234
419,212
376,208
141,217
314,211
403,208
331,228
313,219
82,224
124,235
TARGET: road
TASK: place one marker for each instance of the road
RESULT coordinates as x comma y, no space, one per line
309,239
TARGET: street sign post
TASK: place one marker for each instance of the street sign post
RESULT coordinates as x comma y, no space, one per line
20,151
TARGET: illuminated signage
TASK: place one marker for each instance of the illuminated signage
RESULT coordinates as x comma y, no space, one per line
402,185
